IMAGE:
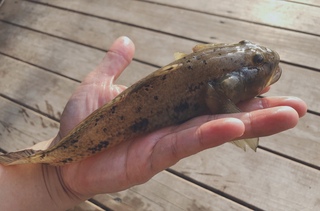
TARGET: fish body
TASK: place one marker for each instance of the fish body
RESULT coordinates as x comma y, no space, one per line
211,80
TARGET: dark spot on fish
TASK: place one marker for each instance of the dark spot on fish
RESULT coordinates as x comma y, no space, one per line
164,77
196,107
99,147
188,61
68,160
42,156
190,67
156,98
138,109
113,109
193,87
74,141
183,106
219,54
140,125
105,130
121,117
204,62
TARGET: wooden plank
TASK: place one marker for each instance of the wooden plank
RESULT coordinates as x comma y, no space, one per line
192,25
299,82
60,56
29,79
102,31
80,54
275,13
261,179
168,192
116,203
86,206
309,2
301,143
21,127
19,134
25,83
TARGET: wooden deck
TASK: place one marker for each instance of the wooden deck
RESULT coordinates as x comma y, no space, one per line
47,47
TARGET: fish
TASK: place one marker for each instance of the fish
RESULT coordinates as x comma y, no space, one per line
212,79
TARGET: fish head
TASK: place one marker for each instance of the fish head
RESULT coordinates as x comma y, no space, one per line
257,67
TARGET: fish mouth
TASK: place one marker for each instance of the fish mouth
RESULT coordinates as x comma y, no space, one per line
275,76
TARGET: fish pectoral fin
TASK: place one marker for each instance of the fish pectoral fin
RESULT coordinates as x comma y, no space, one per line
218,102
18,157
252,143
179,55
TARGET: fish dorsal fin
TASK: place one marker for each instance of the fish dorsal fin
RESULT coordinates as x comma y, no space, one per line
179,55
200,47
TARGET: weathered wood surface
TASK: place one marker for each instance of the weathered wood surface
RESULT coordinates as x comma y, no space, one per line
278,13
293,47
46,50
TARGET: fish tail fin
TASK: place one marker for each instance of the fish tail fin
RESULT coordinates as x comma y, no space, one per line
252,143
18,157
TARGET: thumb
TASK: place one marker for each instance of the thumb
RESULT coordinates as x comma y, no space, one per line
115,61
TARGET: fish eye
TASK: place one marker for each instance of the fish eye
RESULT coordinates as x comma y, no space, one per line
258,58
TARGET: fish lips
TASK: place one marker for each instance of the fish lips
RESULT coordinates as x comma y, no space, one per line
276,75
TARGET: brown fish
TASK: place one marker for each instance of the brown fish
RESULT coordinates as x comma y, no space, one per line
211,80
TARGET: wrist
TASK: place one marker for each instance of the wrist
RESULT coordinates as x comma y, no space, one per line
23,185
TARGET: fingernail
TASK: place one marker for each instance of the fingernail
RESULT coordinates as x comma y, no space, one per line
126,40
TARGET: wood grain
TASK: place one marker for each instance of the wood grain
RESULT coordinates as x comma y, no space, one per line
284,14
297,48
263,179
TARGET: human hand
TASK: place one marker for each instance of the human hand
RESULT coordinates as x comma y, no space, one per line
136,161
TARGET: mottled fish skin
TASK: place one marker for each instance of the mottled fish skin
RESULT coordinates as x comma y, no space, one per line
171,95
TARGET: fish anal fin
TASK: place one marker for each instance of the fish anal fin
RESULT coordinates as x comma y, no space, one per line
240,143
252,143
